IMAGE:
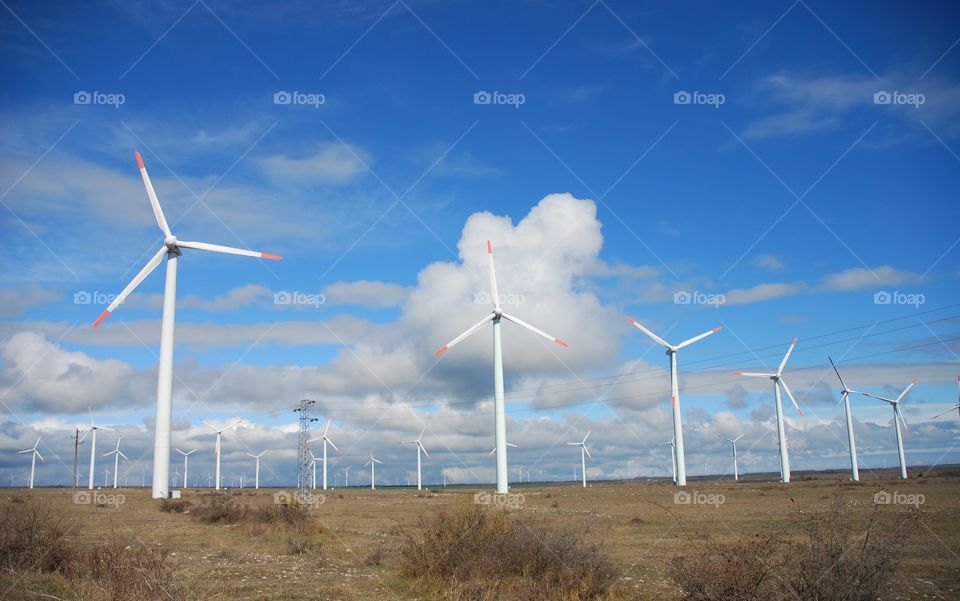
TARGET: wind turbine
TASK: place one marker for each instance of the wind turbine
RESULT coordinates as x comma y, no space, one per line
420,448
93,445
957,406
313,462
373,470
897,420
509,444
172,248
256,477
216,452
733,443
33,458
500,422
781,431
176,475
673,457
583,456
106,476
851,443
443,474
325,440
117,454
346,476
186,464
681,479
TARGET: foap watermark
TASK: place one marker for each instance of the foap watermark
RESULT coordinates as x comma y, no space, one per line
506,500
85,297
914,299
308,499
898,498
99,98
511,300
899,98
510,99
695,97
295,297
299,98
693,497
94,497
683,297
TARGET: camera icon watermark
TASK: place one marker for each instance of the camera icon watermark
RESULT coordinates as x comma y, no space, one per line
703,98
898,498
85,297
510,300
93,497
501,501
914,299
299,98
99,98
294,297
899,98
512,99
684,297
307,499
693,497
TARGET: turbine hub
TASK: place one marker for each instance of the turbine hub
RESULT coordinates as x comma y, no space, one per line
498,312
170,242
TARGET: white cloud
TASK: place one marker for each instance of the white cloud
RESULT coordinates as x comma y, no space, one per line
332,162
761,292
770,262
16,301
366,293
860,278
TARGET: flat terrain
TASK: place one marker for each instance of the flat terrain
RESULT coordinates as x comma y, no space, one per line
638,523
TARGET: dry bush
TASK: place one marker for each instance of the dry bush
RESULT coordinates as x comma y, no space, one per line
480,553
122,572
31,538
374,558
174,505
740,571
218,510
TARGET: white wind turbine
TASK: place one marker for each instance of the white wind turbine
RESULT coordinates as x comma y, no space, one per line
897,420
93,445
443,474
733,443
583,456
171,249
500,423
216,450
781,431
373,470
313,463
33,458
256,477
420,448
346,476
673,457
957,406
681,479
117,454
851,443
186,464
325,440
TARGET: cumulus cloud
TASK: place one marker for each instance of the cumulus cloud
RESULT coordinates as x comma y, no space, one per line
366,293
769,262
860,278
761,292
332,162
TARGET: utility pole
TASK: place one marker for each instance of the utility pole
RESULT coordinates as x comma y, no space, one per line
76,446
303,450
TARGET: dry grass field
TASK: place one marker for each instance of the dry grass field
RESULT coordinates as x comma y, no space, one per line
358,537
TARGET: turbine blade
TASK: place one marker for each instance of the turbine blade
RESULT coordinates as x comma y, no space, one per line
655,338
333,445
122,455
738,437
327,427
700,337
787,356
42,460
493,278
587,436
228,250
464,335
493,451
896,409
27,451
422,448
934,417
533,329
154,203
587,451
751,374
880,398
906,390
790,394
510,444
147,270
842,383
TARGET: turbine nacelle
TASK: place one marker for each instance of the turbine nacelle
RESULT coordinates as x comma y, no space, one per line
170,242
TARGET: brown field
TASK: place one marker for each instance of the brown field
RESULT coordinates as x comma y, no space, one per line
638,524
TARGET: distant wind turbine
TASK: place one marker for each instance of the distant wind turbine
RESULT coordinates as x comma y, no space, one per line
117,454
373,470
93,445
733,443
325,440
583,456
34,453
897,420
420,448
256,477
216,450
851,442
186,464
673,457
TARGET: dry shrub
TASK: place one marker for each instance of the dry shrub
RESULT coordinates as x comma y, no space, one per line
31,538
174,505
218,510
122,572
480,553
374,558
821,556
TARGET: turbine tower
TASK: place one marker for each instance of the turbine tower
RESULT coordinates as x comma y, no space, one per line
583,456
346,476
313,463
957,406
681,479
256,477
186,464
897,420
500,422
851,443
733,443
420,448
93,445
216,451
172,249
117,454
33,458
778,383
673,457
325,440
373,470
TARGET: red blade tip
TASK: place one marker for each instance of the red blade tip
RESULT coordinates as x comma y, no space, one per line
560,342
630,319
489,248
269,256
136,153
795,340
440,351
102,317
738,373
716,329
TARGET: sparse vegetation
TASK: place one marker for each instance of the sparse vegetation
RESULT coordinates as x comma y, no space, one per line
174,505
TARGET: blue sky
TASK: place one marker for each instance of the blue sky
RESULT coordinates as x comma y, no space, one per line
786,195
